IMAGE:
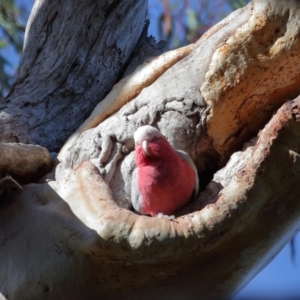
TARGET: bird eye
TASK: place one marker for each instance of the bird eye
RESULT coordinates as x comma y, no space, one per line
155,139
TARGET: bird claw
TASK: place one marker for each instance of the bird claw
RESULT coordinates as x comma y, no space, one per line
161,215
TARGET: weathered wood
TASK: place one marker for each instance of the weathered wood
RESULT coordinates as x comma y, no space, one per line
75,236
74,52
25,163
252,74
8,183
206,118
126,90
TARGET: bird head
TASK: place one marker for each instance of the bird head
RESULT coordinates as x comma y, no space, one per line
149,142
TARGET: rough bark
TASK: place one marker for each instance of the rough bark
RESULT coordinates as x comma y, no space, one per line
74,52
75,236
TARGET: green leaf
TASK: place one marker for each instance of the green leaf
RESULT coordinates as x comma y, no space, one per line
3,44
192,19
12,27
235,4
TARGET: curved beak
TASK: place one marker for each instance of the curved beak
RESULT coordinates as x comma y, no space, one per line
145,147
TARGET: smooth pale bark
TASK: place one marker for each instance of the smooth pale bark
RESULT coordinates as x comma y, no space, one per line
75,241
75,236
26,163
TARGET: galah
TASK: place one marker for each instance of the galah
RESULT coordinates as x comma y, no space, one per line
165,179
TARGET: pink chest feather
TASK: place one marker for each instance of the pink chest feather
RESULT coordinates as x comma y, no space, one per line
165,185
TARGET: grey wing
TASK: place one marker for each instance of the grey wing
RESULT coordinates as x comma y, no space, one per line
136,198
186,157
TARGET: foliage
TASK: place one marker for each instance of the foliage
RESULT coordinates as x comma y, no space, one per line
183,22
12,26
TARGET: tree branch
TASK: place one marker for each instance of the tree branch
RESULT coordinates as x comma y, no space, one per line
73,54
78,235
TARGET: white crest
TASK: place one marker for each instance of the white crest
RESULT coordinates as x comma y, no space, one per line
145,133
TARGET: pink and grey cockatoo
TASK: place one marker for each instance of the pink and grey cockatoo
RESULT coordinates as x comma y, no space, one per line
165,179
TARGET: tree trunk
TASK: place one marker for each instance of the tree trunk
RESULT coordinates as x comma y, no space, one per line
224,100
73,54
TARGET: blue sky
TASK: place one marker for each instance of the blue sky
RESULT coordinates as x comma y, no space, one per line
280,280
